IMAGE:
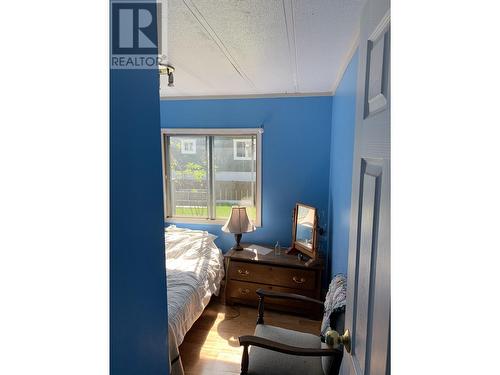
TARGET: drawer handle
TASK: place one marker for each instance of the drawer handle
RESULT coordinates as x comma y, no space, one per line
243,272
243,291
301,281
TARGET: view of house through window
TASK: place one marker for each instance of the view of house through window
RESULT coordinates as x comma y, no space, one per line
205,175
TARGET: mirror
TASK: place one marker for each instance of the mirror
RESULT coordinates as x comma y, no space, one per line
304,229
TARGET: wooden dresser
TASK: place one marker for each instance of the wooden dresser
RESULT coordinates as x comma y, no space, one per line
246,272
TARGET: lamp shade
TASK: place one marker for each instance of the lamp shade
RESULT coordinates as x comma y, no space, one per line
238,221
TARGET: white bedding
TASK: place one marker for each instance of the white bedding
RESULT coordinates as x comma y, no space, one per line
195,268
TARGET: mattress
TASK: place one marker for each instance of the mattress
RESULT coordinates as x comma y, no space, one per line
195,268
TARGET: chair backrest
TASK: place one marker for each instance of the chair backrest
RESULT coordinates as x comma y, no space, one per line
337,322
334,300
334,318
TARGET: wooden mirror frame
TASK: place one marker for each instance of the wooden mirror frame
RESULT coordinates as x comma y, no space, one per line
311,253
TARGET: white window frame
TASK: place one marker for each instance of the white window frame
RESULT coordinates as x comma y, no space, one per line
186,141
257,132
235,149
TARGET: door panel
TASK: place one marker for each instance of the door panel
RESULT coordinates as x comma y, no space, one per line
377,69
367,252
368,295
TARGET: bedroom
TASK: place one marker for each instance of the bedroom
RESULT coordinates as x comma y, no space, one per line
141,181
257,110
258,120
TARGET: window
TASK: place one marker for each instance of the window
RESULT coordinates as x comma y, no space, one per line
188,146
207,171
243,149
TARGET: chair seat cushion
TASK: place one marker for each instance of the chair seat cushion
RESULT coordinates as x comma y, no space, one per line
268,362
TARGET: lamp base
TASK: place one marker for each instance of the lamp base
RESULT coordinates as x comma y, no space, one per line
237,247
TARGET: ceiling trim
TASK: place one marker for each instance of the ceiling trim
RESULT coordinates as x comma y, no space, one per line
386,19
200,18
250,96
289,14
345,62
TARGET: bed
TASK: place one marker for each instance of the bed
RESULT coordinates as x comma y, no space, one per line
195,268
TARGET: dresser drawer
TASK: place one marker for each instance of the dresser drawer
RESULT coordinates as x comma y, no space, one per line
247,292
281,276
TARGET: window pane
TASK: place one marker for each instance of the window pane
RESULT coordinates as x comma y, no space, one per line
240,150
189,176
235,176
188,146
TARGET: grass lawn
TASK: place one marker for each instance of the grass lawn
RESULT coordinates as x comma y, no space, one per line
221,212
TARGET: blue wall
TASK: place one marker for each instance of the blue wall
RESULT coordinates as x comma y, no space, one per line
138,296
295,157
342,145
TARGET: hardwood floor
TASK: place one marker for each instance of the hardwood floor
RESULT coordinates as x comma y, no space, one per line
211,345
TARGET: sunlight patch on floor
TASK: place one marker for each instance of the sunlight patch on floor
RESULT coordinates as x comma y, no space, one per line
231,352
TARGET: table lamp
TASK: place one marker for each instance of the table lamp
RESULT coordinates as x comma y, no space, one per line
238,223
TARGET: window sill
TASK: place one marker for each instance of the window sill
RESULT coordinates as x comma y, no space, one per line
189,220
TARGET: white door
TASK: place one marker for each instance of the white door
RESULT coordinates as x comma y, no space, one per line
368,296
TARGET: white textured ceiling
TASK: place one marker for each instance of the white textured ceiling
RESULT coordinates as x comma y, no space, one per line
257,47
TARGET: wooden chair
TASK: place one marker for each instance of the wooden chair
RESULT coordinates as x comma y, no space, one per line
278,351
